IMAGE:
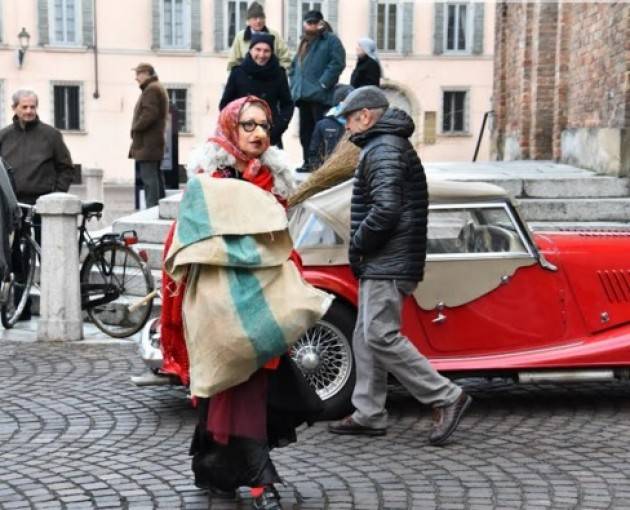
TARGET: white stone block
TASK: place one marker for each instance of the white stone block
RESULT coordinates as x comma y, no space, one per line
60,301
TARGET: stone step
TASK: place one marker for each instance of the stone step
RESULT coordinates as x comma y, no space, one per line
575,209
154,254
569,187
148,225
578,187
169,207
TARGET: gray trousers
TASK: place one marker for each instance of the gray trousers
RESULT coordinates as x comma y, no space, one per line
380,348
153,182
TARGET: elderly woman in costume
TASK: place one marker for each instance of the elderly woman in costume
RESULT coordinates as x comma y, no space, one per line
244,304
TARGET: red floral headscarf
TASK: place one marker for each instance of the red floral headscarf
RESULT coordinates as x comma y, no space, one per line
226,134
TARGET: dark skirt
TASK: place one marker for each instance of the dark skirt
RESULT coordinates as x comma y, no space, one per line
239,427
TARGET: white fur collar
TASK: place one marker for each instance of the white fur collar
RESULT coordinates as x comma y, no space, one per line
211,156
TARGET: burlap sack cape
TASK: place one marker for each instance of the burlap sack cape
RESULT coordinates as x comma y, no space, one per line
245,301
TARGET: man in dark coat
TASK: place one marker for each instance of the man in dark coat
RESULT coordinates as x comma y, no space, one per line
41,164
35,151
328,131
261,75
387,251
314,72
147,132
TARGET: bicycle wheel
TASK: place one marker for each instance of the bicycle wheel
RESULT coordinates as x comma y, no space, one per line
114,283
17,292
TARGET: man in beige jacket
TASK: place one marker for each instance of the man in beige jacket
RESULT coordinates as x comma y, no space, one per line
256,23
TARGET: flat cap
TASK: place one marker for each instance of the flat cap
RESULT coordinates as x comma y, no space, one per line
313,16
364,97
144,67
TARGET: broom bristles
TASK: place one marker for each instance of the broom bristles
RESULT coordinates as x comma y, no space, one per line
337,168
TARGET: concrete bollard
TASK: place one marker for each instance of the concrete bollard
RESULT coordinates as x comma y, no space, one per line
60,299
94,191
93,184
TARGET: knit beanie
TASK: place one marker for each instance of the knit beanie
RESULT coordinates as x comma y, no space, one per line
262,37
255,10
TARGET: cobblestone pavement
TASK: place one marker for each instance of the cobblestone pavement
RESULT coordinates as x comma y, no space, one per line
74,433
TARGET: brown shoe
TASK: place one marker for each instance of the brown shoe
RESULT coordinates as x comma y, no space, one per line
349,427
446,419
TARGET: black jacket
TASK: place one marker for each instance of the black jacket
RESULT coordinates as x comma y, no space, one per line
389,203
366,72
326,136
40,159
268,82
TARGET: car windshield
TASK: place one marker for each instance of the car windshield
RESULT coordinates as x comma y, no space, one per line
481,229
316,233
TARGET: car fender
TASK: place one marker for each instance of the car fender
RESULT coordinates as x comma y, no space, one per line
336,282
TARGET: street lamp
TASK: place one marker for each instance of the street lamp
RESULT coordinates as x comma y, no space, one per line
23,37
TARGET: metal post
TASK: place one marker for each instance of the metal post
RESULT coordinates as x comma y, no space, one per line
483,126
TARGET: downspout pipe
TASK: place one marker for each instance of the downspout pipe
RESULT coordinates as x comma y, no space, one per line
96,94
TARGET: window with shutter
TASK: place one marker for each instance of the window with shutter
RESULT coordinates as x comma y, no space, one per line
67,106
458,27
64,22
387,25
175,24
235,20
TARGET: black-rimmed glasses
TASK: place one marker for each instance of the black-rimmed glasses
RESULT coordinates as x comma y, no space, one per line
250,125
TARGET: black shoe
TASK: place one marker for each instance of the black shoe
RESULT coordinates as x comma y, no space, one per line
303,170
446,419
214,492
269,500
349,427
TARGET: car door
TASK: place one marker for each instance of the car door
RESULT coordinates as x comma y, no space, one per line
484,291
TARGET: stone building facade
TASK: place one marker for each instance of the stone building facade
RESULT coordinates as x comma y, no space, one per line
562,83
436,57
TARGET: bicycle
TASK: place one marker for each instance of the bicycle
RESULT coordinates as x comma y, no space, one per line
15,290
117,288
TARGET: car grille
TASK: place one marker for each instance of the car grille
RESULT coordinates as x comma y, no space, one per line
616,284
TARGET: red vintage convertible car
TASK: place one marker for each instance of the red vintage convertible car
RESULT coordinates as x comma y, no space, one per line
496,300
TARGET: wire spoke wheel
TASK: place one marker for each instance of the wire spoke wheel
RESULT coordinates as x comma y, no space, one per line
114,283
325,358
16,290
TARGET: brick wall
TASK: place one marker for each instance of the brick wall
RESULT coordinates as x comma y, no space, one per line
558,66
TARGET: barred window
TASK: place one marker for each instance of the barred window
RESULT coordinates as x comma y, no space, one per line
67,107
454,112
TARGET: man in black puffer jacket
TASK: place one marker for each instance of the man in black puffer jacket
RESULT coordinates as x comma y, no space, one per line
387,252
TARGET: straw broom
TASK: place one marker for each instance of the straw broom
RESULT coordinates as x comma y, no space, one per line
337,168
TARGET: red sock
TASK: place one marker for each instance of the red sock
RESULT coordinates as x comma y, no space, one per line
257,491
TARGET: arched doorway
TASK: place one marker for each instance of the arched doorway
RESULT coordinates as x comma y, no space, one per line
402,97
